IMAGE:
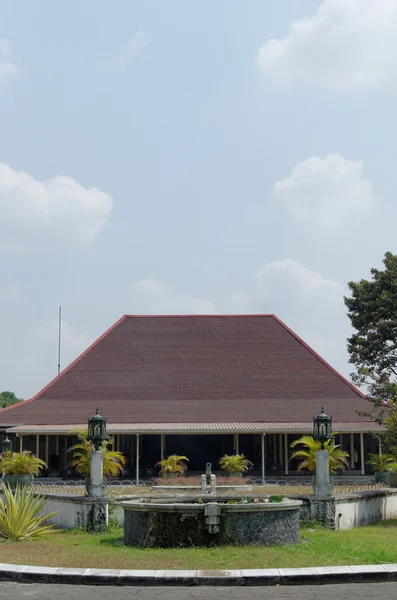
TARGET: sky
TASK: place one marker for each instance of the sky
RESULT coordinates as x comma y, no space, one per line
190,157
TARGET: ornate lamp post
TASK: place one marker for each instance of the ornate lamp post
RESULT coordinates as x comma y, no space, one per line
322,427
96,435
6,446
322,432
97,430
97,516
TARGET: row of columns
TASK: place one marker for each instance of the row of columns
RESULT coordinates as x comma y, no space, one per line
277,450
47,445
263,452
286,452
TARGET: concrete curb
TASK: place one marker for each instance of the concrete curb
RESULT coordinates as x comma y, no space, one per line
252,577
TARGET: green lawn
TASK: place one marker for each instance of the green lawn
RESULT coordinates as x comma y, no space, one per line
365,545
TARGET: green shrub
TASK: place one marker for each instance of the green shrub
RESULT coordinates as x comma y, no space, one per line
174,464
113,461
234,463
380,462
338,458
21,463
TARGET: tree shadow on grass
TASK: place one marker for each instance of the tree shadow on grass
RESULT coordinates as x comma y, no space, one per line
114,542
386,524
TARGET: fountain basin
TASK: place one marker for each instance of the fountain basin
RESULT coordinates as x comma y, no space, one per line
170,525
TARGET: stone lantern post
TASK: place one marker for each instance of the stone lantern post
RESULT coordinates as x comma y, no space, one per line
6,446
97,515
96,435
322,432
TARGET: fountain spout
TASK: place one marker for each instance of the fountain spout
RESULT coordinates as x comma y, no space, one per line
208,473
208,481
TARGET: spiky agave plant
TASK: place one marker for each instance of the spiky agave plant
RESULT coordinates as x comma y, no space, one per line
113,461
338,458
235,463
174,464
19,514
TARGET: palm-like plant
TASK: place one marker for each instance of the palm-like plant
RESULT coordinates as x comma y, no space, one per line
174,464
338,458
235,463
113,461
21,463
380,462
19,514
392,467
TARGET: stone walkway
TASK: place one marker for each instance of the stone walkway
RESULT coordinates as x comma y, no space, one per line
16,591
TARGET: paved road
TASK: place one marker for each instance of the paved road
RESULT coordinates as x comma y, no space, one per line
380,591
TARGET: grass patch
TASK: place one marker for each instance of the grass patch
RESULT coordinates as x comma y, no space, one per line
374,544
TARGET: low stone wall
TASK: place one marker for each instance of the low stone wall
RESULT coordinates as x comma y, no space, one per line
186,525
249,525
76,511
116,512
346,511
368,508
343,511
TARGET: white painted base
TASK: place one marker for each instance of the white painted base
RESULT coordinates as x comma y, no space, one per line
322,487
96,489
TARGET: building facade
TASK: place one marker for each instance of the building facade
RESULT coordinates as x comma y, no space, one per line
199,386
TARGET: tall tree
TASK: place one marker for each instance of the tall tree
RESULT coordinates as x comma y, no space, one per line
8,398
372,309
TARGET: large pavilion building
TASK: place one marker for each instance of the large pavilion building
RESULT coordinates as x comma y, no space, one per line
199,386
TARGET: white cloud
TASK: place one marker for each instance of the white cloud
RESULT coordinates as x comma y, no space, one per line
153,297
308,303
239,303
12,292
58,209
345,44
7,67
140,41
326,194
306,283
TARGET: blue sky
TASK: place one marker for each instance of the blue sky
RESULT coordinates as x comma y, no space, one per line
178,157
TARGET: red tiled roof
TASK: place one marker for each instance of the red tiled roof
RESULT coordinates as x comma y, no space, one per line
192,369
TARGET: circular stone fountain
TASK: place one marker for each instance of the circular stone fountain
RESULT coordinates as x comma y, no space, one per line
184,524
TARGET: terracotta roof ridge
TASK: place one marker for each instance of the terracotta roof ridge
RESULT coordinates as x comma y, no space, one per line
264,323
320,358
125,316
200,316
